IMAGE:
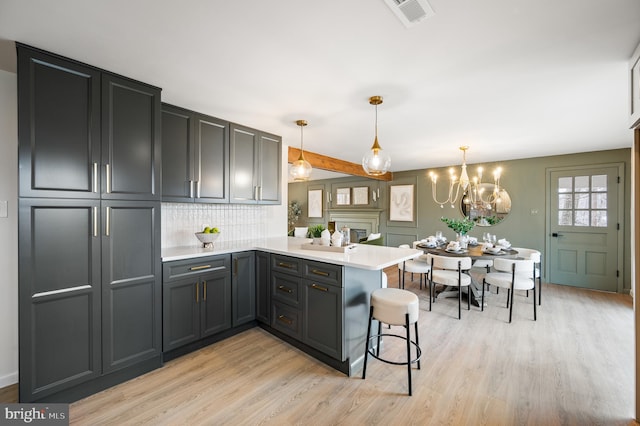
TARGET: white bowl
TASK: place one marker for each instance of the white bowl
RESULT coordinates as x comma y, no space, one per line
207,240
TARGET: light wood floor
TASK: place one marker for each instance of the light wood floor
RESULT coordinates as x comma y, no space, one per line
574,366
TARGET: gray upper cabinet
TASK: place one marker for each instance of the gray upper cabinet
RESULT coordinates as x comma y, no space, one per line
195,165
255,166
85,133
130,139
59,127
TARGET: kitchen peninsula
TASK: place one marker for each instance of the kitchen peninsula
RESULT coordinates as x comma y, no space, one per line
315,300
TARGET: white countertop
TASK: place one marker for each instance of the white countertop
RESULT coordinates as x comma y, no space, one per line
363,256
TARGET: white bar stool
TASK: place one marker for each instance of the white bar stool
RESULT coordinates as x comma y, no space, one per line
393,306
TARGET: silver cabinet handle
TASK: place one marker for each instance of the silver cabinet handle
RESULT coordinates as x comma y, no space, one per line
260,189
197,189
108,177
190,189
107,229
95,177
95,221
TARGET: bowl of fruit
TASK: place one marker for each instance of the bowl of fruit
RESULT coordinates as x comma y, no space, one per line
208,236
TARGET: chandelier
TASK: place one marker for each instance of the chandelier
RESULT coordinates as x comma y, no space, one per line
472,190
376,162
300,169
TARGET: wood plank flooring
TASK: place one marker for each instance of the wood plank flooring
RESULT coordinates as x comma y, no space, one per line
573,366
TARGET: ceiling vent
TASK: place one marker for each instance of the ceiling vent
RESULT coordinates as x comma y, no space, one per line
410,12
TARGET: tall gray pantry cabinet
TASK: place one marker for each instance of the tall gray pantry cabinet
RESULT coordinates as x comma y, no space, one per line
89,227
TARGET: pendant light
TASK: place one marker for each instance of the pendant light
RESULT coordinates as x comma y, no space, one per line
300,169
376,162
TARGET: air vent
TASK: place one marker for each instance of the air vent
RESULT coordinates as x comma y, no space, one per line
410,12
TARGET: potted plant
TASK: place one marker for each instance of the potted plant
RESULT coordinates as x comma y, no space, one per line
315,232
461,227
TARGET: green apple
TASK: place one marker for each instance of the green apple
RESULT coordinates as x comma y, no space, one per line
207,230
215,230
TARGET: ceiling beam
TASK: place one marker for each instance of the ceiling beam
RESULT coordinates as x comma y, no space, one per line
324,162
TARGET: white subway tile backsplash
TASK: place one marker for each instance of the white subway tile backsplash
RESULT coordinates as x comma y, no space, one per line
235,221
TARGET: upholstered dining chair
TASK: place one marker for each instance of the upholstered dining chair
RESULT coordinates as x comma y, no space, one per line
414,267
450,272
536,256
512,274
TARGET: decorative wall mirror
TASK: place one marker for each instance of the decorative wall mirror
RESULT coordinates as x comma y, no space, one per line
486,205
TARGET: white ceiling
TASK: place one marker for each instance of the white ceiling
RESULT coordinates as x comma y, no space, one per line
509,78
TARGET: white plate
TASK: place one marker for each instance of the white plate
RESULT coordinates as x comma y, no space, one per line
455,251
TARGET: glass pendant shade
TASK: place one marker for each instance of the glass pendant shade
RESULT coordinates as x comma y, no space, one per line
300,169
376,161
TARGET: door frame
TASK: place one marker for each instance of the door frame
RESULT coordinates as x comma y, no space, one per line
620,218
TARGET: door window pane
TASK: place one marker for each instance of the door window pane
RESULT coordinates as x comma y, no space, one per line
599,183
582,201
565,184
564,218
565,201
599,201
582,218
582,184
599,218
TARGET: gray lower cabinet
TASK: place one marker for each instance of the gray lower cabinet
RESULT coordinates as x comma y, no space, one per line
323,319
263,289
131,283
307,303
89,289
243,288
196,299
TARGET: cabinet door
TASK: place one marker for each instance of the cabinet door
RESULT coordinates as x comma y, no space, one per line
270,160
215,305
130,139
181,314
58,127
131,283
243,159
211,160
323,315
243,287
178,154
263,290
59,295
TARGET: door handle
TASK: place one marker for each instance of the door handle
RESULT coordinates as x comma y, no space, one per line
556,235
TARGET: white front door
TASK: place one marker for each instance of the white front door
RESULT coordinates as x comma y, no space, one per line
584,227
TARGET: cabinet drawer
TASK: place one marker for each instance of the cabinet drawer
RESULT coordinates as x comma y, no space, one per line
323,272
286,264
287,320
183,268
285,288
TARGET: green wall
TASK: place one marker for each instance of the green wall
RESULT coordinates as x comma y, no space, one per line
525,180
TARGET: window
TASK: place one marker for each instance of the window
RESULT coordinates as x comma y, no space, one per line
582,201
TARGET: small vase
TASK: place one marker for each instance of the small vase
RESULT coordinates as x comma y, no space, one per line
463,239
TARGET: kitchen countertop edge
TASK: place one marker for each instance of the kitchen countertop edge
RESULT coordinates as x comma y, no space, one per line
369,257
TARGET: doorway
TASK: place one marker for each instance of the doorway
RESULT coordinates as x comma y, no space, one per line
584,214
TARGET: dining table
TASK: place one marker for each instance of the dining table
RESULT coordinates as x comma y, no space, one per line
475,252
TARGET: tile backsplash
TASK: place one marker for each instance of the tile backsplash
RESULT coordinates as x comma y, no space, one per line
235,221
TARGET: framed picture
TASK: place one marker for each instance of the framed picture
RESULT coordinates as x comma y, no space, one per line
343,196
401,203
361,195
314,201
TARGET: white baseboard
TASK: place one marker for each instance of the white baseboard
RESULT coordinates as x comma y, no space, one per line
9,379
